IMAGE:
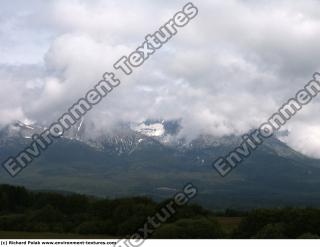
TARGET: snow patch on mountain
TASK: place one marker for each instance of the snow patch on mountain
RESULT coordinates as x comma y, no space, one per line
155,129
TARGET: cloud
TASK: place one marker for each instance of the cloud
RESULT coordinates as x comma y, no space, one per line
226,72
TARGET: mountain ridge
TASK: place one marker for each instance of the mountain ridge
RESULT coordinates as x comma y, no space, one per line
136,161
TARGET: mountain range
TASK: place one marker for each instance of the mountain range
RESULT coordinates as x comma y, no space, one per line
151,159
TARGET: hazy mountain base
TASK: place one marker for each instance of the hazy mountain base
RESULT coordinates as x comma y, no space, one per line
155,170
49,215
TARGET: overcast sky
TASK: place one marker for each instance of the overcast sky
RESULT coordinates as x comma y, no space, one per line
226,72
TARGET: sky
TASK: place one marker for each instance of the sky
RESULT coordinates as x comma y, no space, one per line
225,73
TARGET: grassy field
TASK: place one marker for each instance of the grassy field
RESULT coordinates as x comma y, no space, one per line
228,224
